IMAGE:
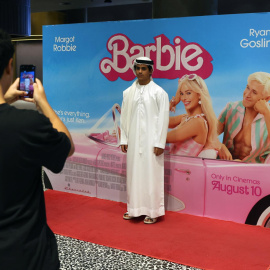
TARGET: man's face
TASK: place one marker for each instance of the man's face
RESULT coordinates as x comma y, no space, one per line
143,74
252,94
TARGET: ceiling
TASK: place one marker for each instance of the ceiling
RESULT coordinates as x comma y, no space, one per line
56,5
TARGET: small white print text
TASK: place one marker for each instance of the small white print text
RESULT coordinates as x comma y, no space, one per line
72,116
64,44
257,39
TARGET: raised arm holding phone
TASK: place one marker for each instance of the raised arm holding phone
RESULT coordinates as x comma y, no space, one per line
28,141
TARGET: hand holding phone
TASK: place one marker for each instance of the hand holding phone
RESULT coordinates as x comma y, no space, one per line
27,79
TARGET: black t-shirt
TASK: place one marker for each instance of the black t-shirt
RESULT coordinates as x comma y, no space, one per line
27,142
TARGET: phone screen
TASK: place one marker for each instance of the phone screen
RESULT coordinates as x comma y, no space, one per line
27,79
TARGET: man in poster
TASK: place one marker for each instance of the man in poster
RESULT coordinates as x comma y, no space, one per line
144,124
246,123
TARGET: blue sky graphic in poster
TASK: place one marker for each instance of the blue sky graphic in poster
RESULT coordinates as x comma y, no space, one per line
87,66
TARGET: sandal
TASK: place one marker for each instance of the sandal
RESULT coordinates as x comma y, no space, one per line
149,220
127,216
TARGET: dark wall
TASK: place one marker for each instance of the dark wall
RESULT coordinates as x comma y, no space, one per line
243,6
29,53
119,13
110,13
183,8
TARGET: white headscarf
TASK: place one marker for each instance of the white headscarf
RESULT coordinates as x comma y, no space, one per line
142,61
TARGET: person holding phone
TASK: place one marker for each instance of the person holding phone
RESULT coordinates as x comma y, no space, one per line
28,141
246,123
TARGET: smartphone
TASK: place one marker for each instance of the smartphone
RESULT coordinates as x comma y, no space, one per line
27,79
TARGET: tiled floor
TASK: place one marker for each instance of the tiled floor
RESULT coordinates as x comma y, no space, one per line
79,255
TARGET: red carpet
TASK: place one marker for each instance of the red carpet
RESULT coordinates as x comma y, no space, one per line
195,241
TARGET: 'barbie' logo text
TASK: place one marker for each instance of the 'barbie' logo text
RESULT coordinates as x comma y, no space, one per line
171,60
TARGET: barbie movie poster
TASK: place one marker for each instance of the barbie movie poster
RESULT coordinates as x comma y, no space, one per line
204,64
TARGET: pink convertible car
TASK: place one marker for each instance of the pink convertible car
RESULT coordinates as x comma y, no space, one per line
225,190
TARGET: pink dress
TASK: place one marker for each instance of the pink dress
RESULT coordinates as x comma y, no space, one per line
188,147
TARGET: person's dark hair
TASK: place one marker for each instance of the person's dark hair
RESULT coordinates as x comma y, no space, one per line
6,51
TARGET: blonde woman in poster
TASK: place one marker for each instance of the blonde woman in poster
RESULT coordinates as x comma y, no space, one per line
193,133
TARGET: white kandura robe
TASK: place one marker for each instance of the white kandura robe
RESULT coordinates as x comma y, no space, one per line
148,126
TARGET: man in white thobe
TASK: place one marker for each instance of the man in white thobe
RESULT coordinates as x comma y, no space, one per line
144,125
